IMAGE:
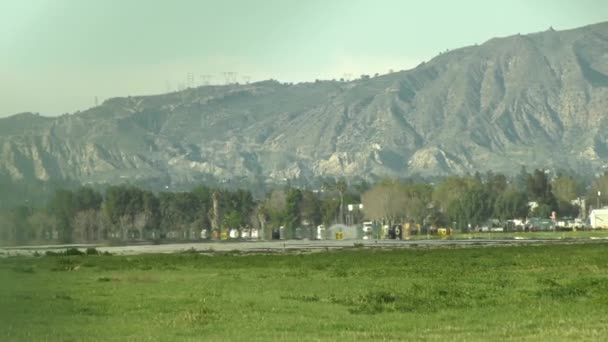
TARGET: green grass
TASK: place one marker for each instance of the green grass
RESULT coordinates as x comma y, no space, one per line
555,292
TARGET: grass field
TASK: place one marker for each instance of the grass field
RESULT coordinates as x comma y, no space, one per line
508,293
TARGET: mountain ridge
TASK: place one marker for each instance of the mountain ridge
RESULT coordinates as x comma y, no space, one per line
538,100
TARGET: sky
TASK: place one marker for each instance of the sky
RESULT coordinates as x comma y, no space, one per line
58,56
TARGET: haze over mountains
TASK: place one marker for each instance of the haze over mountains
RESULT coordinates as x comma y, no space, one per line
539,100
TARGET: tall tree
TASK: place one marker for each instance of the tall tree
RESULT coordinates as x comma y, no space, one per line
215,214
292,212
511,204
62,207
473,208
21,228
273,209
419,197
565,188
539,190
521,179
43,225
451,189
310,208
151,214
86,198
244,204
386,201
340,187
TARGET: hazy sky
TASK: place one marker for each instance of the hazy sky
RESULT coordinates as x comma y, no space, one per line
56,56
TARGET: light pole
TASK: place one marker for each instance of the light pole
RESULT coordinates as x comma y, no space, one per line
599,193
341,207
360,209
341,193
352,208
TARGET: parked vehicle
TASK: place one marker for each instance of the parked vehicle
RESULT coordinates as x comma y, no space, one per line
598,218
395,232
368,230
536,224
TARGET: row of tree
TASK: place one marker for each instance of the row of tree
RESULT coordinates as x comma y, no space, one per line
131,213
470,201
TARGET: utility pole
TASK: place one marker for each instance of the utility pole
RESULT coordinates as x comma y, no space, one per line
599,193
341,207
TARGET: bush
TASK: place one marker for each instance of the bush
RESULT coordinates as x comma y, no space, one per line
23,269
340,272
73,251
191,250
92,251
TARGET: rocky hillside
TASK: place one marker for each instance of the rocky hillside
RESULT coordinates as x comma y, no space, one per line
539,100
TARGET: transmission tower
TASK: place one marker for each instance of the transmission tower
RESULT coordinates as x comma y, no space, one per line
205,80
347,76
190,80
246,79
230,77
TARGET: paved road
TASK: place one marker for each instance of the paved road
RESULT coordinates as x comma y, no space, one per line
291,245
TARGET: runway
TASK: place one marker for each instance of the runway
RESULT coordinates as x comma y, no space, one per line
276,246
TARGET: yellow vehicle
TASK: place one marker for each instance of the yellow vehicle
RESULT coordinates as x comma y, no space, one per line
444,231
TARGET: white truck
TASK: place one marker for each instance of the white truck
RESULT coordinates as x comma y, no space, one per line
598,218
368,230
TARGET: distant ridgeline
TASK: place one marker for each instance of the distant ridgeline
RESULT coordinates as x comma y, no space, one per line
536,100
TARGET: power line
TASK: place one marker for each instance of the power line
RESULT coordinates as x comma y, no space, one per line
230,77
205,80
190,80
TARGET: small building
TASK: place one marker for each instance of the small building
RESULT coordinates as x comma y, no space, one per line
598,218
320,232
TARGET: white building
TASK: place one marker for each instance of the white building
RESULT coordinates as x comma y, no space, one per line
598,218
